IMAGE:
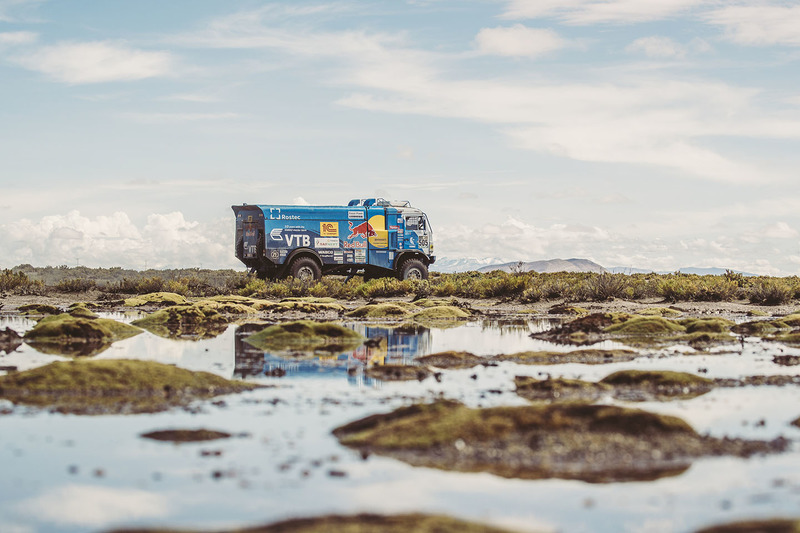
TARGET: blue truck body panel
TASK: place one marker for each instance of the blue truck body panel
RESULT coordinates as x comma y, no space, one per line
338,236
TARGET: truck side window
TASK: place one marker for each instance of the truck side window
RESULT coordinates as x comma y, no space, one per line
412,222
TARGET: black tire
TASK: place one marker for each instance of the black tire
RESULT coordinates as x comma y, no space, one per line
413,269
305,269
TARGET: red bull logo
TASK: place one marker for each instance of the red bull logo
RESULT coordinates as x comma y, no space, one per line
362,230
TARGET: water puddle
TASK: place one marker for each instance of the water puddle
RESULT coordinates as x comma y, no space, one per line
78,473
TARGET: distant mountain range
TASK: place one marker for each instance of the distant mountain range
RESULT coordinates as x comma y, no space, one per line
557,265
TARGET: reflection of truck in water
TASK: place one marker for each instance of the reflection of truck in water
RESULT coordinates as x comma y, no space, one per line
374,236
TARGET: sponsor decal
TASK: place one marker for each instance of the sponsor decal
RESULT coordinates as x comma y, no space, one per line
360,256
275,234
297,240
363,230
329,229
355,215
423,240
326,242
394,227
354,244
274,255
338,257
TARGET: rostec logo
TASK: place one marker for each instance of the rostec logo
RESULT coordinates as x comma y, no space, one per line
362,230
329,229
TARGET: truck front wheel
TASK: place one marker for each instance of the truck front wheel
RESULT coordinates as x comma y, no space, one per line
305,269
413,269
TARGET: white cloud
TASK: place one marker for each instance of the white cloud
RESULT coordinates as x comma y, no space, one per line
14,38
88,506
14,10
97,62
641,121
657,47
759,24
778,230
518,41
599,11
165,240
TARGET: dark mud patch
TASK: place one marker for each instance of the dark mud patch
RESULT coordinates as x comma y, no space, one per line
113,386
564,309
452,359
305,337
586,357
776,525
10,340
594,443
361,523
186,435
786,360
398,372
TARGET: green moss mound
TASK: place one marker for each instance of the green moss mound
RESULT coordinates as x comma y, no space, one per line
440,312
707,325
81,312
792,320
38,309
655,378
398,372
65,334
306,336
451,359
308,305
567,310
659,311
361,523
559,389
182,321
759,328
571,441
586,357
381,310
776,525
155,298
186,435
435,302
645,325
113,386
657,384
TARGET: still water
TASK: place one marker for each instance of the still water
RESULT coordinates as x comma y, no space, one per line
81,473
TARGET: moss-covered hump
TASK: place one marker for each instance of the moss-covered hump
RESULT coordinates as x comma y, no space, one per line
113,386
156,298
382,310
306,336
451,359
361,523
559,389
196,320
65,334
38,309
597,443
657,384
586,357
398,372
645,325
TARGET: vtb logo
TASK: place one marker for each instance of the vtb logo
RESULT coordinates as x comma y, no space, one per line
329,229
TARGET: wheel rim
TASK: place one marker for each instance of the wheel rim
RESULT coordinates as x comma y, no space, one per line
305,273
414,273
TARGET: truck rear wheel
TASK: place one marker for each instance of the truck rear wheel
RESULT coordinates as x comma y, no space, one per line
305,269
413,269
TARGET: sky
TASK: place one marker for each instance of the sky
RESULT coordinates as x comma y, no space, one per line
652,134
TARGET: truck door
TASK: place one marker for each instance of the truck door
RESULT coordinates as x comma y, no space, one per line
378,251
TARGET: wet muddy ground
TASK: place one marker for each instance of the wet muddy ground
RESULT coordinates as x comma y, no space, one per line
269,454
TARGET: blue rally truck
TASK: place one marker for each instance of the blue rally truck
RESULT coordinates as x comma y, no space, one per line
372,236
